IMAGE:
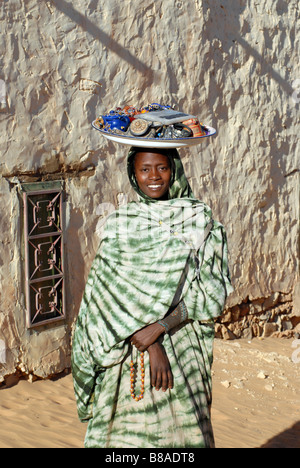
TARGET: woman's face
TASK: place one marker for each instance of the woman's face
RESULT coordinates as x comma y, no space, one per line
153,173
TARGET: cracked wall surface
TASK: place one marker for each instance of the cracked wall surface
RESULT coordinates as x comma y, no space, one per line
232,63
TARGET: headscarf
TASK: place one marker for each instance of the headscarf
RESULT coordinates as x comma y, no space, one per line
153,253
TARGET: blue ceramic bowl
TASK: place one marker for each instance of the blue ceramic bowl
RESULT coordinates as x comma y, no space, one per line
121,122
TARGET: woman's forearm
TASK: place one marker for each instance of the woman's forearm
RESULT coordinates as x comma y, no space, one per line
142,339
178,316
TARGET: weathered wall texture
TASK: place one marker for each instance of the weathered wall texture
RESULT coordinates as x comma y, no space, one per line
232,63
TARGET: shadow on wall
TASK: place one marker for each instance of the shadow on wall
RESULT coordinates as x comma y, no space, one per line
84,23
225,21
290,438
228,25
228,29
75,262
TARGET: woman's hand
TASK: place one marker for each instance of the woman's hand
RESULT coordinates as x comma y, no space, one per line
147,336
161,373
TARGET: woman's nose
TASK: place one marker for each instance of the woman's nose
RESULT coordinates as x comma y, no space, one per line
154,174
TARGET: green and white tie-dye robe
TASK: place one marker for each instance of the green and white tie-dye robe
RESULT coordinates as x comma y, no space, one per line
151,252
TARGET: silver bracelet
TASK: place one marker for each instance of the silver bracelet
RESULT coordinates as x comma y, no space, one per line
161,322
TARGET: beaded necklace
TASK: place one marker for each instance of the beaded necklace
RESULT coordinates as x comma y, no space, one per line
133,377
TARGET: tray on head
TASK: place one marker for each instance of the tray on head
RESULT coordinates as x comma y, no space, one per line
153,142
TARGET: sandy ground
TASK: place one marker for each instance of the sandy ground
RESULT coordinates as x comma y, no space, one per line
256,402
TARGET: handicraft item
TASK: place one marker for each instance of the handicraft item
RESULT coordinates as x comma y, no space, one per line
153,126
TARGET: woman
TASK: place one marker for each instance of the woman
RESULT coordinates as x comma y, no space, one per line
159,279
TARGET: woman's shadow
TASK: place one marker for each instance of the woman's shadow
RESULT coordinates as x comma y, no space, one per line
290,438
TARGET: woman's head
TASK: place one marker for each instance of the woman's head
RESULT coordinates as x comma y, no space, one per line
157,174
153,173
